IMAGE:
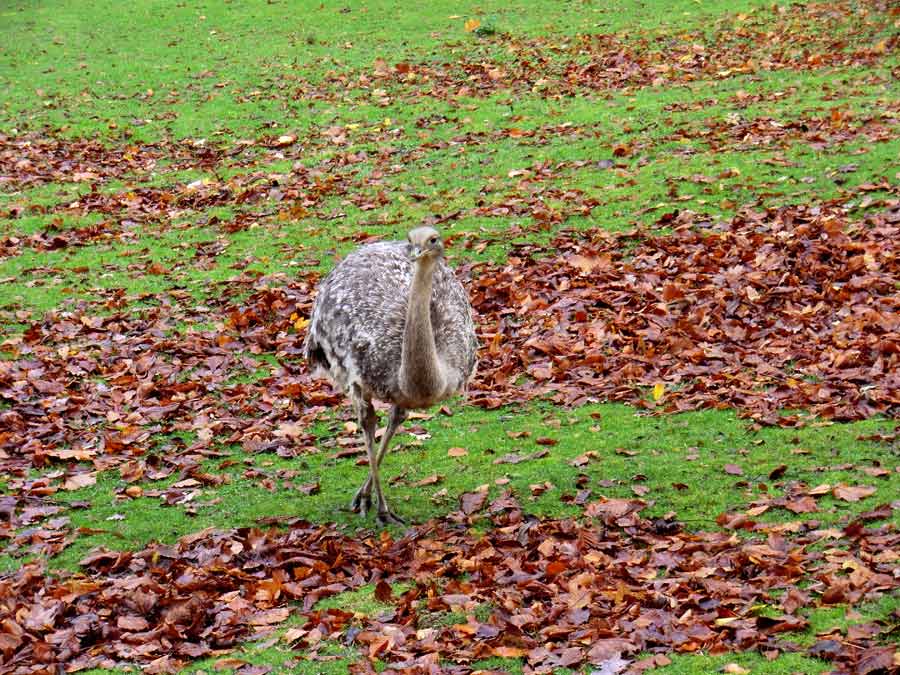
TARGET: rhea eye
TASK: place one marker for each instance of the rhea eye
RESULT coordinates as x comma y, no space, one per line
433,240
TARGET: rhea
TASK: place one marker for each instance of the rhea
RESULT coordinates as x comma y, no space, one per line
391,322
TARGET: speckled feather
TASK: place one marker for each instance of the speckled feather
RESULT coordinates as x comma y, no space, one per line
356,329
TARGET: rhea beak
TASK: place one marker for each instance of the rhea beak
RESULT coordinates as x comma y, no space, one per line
415,252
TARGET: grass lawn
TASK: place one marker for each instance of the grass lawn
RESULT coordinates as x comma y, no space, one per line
611,177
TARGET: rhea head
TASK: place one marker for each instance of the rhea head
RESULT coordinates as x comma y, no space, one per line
425,242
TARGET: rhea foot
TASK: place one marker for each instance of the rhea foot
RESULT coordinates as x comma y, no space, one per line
388,517
362,500
385,515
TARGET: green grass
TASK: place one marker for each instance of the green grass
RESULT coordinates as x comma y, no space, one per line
185,55
379,154
680,459
683,664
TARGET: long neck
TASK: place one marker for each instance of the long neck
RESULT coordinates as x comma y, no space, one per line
420,372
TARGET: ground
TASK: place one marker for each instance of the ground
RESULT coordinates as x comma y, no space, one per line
678,224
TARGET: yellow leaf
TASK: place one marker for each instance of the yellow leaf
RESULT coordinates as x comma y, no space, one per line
301,323
471,25
658,390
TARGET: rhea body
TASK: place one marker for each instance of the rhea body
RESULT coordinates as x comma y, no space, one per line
391,322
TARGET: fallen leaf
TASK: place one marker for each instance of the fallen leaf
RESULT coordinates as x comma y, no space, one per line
132,623
852,493
611,666
309,488
270,616
778,471
79,480
433,479
470,502
383,591
229,663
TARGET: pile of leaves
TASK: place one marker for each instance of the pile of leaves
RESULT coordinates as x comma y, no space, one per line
795,307
558,593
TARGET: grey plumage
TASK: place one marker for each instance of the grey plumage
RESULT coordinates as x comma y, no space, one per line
361,335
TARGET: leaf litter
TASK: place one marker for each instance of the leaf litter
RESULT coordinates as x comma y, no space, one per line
794,307
786,308
781,308
560,593
843,34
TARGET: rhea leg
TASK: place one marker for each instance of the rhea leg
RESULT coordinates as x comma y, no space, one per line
365,412
363,495
395,419
362,501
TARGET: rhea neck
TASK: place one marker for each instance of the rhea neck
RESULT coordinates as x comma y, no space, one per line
421,377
